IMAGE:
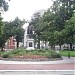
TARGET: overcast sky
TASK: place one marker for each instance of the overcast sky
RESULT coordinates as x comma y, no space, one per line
25,8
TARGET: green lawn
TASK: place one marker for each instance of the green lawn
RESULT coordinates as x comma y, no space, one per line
65,53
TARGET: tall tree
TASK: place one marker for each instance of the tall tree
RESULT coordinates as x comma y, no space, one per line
17,29
63,10
48,27
70,32
3,8
3,5
37,25
51,26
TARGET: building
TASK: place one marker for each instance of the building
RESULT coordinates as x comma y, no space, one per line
10,44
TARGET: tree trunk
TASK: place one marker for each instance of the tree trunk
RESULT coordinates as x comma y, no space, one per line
17,44
2,49
38,43
46,45
60,47
71,42
70,46
53,47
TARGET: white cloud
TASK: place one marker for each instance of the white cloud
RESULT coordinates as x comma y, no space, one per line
25,8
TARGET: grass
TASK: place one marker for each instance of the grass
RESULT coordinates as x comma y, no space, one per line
66,53
23,52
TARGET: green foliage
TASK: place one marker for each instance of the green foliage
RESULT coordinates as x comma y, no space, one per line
5,33
55,55
23,52
17,29
1,24
5,55
14,28
3,5
2,36
18,52
56,25
37,25
70,31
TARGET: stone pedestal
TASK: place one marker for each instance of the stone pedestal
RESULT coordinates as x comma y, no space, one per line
30,44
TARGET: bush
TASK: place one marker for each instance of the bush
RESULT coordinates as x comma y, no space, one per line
56,55
5,55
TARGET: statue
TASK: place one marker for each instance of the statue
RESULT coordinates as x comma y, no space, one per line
30,29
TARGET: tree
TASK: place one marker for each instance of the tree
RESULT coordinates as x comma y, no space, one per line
37,25
1,23
3,7
51,25
63,11
59,38
70,32
13,28
17,30
5,34
47,28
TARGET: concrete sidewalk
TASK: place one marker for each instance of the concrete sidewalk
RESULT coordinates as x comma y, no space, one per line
37,72
64,61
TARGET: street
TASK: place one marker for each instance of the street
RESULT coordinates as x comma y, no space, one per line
37,67
59,67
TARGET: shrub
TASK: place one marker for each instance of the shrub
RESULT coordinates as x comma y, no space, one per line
55,55
5,55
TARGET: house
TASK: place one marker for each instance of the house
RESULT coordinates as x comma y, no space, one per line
10,44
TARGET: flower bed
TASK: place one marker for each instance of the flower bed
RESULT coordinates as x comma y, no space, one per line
30,57
23,55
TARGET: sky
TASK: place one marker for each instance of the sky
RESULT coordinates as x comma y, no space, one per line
25,8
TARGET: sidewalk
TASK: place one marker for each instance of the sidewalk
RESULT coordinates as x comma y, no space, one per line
35,72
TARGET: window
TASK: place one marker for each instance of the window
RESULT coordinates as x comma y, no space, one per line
30,44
